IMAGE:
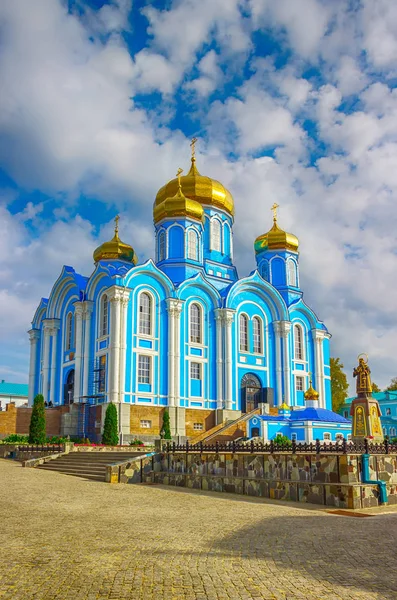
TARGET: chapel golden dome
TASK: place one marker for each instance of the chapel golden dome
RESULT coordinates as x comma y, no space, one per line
178,205
115,249
311,393
284,406
276,238
202,189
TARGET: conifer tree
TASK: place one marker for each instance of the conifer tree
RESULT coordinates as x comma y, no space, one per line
110,435
37,434
166,425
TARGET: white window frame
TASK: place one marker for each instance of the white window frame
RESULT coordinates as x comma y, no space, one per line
145,320
292,273
161,242
104,322
196,366
216,235
142,372
192,245
301,380
327,439
198,325
339,437
243,335
257,344
299,342
294,437
349,437
145,424
198,426
69,332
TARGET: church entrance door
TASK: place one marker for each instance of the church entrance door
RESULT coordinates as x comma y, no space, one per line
251,392
69,388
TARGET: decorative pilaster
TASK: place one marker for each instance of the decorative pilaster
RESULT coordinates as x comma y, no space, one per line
219,358
277,338
78,324
228,317
54,334
285,328
34,337
46,361
87,314
174,308
318,337
123,341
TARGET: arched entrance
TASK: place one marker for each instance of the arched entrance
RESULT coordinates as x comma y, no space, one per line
251,392
69,388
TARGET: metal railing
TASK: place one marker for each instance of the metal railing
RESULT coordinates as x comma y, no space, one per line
42,448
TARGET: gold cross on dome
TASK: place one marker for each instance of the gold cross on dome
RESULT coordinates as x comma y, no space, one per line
192,145
274,209
116,220
178,174
310,378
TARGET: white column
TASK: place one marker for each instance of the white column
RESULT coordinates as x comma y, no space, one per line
46,361
78,328
277,337
34,336
114,345
318,336
228,320
219,358
285,329
123,342
174,308
54,334
177,342
87,313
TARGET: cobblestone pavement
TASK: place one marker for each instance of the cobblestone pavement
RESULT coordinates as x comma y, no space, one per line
66,538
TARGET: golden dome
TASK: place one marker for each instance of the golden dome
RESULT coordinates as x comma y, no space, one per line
178,205
311,393
115,249
284,406
204,190
276,238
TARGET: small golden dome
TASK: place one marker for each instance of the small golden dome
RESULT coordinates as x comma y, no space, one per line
284,406
311,393
276,238
115,249
178,205
204,190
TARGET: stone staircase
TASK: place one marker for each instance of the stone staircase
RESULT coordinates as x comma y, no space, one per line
89,465
226,432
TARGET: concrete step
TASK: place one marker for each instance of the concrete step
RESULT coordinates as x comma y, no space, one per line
93,476
67,467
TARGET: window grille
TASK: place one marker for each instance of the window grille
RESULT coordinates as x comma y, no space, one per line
192,245
105,315
298,340
146,424
161,243
195,370
145,310
215,235
257,335
299,384
144,364
195,324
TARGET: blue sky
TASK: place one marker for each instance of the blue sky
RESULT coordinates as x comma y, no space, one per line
292,102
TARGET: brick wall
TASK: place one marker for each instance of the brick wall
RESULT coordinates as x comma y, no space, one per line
154,414
8,419
17,420
205,417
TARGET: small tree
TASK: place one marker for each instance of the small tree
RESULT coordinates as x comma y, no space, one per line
282,440
375,388
339,384
392,387
110,435
166,425
37,434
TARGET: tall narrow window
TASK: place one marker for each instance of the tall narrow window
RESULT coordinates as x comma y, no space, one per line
243,333
104,315
144,368
195,370
192,246
215,235
298,340
69,331
195,324
102,374
257,330
161,245
292,273
145,310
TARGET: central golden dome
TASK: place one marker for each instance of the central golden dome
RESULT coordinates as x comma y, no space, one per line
204,190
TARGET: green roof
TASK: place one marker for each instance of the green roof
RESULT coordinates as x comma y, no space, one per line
13,389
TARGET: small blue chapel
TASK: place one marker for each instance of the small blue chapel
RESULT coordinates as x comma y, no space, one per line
182,330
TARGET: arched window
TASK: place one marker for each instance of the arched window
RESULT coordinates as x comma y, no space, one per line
161,245
215,235
243,333
104,315
195,324
192,245
69,331
257,330
145,314
292,273
298,341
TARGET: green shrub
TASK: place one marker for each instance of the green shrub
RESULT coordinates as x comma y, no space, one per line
56,439
166,425
110,435
37,433
136,442
282,440
16,438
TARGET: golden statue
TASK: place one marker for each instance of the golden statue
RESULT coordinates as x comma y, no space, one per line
363,374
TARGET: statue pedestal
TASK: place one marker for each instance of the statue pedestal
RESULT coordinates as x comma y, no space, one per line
366,419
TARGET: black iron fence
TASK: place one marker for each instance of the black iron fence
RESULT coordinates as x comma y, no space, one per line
317,447
42,448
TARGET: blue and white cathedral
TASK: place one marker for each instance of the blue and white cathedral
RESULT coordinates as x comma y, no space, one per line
181,331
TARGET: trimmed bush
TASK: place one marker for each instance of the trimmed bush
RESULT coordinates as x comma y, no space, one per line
15,438
166,425
37,434
110,435
282,440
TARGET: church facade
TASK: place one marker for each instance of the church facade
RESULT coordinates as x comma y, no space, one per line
181,331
